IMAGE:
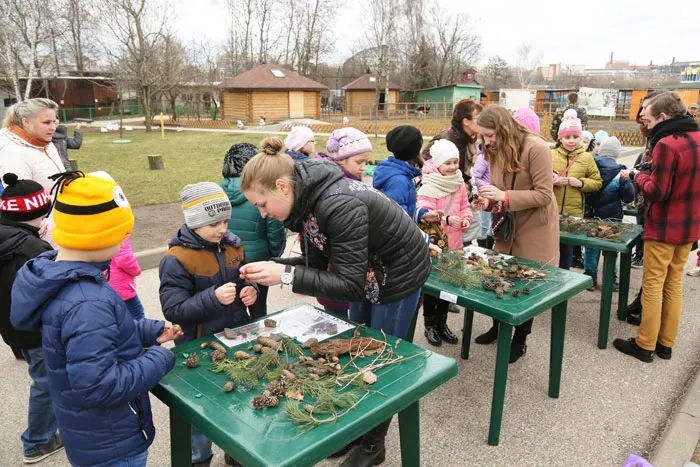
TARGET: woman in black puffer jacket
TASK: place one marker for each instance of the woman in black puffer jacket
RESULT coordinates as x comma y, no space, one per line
380,256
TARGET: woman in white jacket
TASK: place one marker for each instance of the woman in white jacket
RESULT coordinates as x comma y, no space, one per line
25,144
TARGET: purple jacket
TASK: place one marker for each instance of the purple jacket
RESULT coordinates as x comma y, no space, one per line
481,170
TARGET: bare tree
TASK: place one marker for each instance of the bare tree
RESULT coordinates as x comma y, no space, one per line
26,42
454,46
138,28
496,73
527,63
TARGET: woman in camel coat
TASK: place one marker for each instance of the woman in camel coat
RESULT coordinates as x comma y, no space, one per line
512,149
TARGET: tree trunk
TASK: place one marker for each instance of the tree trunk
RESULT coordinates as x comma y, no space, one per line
147,110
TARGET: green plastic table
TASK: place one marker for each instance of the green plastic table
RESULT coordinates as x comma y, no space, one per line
512,311
629,211
610,251
266,437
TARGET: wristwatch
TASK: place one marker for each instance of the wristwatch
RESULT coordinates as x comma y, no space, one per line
287,276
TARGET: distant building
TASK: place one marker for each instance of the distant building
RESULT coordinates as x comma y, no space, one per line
362,94
467,87
273,92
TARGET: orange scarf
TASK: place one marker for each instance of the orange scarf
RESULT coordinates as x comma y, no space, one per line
19,131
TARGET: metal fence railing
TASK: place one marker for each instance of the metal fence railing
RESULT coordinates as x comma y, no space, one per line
186,111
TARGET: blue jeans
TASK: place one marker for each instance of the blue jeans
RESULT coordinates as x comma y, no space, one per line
139,460
42,425
591,259
201,446
135,307
394,318
485,218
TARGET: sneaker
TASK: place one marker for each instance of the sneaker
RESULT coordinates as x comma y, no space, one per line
577,263
630,347
663,352
695,272
595,281
637,263
616,286
205,463
453,308
45,450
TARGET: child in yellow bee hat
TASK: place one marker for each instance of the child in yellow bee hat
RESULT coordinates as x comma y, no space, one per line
98,370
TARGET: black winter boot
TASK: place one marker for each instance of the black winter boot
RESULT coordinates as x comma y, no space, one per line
431,331
346,449
371,450
634,310
490,241
518,347
445,333
489,337
482,243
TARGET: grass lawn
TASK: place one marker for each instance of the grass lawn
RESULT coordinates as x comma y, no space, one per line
189,157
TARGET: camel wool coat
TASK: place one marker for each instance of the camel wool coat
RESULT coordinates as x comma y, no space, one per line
536,234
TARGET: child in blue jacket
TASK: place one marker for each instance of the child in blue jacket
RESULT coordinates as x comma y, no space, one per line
607,202
98,370
200,285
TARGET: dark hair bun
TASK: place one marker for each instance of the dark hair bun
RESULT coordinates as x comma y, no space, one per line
271,146
10,179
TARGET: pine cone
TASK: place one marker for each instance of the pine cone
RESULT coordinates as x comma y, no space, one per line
269,399
526,290
515,293
217,356
277,388
258,402
192,361
499,292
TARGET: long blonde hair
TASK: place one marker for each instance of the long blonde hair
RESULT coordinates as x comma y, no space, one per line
27,109
511,135
264,169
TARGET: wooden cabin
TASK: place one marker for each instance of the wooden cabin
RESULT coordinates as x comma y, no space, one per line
362,94
272,92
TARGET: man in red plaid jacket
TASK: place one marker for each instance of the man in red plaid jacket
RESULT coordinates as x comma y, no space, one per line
671,223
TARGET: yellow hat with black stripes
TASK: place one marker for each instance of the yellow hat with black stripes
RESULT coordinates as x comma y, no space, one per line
90,211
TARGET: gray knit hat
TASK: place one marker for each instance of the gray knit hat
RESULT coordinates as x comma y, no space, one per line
204,204
610,147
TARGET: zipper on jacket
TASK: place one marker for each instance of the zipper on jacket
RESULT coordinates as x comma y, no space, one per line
139,416
563,199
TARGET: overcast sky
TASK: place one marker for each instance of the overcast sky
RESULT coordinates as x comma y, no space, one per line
635,33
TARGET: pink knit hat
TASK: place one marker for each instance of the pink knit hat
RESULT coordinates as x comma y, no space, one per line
570,125
528,118
347,142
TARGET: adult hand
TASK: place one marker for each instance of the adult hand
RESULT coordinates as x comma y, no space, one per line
249,295
625,174
226,293
482,204
465,224
454,221
435,250
78,125
263,272
168,334
432,216
492,193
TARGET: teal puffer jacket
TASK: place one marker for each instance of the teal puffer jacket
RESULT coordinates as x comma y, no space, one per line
262,238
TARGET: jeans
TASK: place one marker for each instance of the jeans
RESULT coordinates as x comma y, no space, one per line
566,255
394,318
135,308
591,259
139,460
201,446
259,308
662,293
485,219
42,424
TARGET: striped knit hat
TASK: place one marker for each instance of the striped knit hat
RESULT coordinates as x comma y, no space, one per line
204,204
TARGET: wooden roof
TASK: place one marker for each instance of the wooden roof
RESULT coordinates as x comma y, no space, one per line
368,82
272,78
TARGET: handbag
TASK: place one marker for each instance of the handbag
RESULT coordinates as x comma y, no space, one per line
435,230
503,223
